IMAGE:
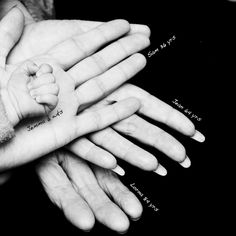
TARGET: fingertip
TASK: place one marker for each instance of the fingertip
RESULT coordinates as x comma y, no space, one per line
198,136
16,13
83,218
149,162
133,207
124,24
108,161
146,30
134,103
121,225
141,29
140,59
144,39
186,163
86,224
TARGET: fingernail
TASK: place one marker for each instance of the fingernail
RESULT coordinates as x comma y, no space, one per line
118,170
37,99
136,219
161,170
186,163
198,137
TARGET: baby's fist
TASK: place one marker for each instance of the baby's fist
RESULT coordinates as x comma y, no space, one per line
43,88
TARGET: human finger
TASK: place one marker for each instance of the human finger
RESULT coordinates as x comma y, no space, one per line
90,152
84,181
44,69
11,28
100,86
41,81
46,89
76,48
88,25
147,133
157,110
121,195
90,121
124,149
62,193
49,100
110,56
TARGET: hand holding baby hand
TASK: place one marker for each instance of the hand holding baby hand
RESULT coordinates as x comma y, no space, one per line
31,91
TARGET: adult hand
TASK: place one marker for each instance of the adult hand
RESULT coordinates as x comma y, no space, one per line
53,32
84,193
111,67
102,147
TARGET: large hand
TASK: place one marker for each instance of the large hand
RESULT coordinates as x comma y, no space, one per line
85,193
110,70
114,144
53,32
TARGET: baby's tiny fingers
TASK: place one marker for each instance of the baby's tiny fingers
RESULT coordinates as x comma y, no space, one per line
49,100
43,69
52,89
42,80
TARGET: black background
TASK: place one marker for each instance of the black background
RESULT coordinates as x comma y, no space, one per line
190,70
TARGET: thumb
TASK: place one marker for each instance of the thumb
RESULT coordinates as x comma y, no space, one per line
11,28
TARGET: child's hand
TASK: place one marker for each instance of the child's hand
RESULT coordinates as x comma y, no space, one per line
31,91
43,88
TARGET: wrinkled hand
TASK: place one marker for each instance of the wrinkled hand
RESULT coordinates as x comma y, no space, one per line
84,193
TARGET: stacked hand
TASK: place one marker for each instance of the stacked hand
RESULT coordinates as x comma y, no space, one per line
108,69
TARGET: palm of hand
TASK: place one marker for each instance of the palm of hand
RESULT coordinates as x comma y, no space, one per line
44,34
20,97
48,132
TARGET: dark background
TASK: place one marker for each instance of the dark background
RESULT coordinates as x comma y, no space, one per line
194,71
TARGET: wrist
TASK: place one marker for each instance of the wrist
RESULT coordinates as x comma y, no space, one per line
9,107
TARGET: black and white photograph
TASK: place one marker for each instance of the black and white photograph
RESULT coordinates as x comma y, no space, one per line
109,116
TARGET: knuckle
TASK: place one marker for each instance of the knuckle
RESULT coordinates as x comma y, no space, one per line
101,86
97,120
128,126
99,61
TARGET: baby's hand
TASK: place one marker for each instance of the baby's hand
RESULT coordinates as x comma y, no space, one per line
43,88
31,91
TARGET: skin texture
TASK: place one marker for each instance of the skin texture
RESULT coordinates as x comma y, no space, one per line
85,215
73,97
22,102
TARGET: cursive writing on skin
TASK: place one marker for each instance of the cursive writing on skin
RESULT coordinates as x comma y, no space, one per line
31,127
144,198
